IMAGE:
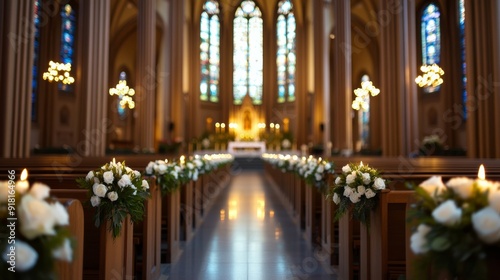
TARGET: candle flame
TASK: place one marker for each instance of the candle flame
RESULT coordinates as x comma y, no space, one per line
361,163
24,174
481,174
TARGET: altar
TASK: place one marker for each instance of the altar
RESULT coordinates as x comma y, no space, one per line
246,148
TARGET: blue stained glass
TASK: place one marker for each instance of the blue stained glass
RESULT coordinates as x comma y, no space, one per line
461,25
285,59
210,51
34,82
121,110
68,30
431,34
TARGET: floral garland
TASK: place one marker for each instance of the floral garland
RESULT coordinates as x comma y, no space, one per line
116,191
38,237
458,227
166,174
356,190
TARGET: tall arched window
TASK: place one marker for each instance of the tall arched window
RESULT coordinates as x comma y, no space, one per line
68,30
247,53
120,108
34,82
431,35
461,25
285,57
210,51
364,118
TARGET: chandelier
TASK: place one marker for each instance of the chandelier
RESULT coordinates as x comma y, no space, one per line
362,95
430,78
59,72
124,93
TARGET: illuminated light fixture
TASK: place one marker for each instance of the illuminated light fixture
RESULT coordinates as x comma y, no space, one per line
430,78
59,72
362,94
125,94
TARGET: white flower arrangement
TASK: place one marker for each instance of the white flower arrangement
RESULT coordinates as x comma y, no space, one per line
40,232
116,191
356,190
458,226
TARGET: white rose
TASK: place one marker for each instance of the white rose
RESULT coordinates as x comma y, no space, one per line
318,176
494,200
65,252
4,191
361,189
89,176
369,193
347,191
26,256
137,174
486,222
379,184
190,165
108,177
129,170
346,168
162,169
447,213
328,166
354,197
40,191
99,190
366,178
433,186
36,217
320,169
419,244
145,185
60,214
338,180
198,163
149,168
349,179
95,201
195,175
336,198
124,181
113,196
461,186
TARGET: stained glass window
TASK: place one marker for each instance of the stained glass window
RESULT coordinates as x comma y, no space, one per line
68,26
121,109
431,35
461,25
247,53
285,57
364,119
34,82
210,51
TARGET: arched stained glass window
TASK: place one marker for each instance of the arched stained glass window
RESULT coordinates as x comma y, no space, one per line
210,51
285,57
34,82
121,109
248,53
461,25
68,30
431,35
364,118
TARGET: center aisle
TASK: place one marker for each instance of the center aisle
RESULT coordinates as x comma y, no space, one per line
248,235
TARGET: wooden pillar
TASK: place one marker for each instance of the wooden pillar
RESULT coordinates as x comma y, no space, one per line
146,74
483,68
16,46
342,77
398,71
94,82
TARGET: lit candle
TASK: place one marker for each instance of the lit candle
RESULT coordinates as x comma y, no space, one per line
23,185
481,178
182,160
277,128
223,126
360,163
217,127
114,161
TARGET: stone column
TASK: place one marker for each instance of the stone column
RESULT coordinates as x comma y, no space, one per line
398,67
94,83
16,46
146,75
341,129
483,67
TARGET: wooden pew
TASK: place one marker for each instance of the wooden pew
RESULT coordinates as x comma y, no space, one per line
170,223
74,269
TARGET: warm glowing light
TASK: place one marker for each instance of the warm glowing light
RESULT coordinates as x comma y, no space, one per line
182,159
59,72
360,163
481,174
362,94
430,78
24,175
271,214
125,93
222,214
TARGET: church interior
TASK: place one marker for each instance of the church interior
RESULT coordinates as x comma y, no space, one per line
221,106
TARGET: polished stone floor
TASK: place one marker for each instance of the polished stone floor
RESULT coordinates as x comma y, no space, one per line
248,235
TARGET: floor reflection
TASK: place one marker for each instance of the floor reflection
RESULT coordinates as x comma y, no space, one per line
248,235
